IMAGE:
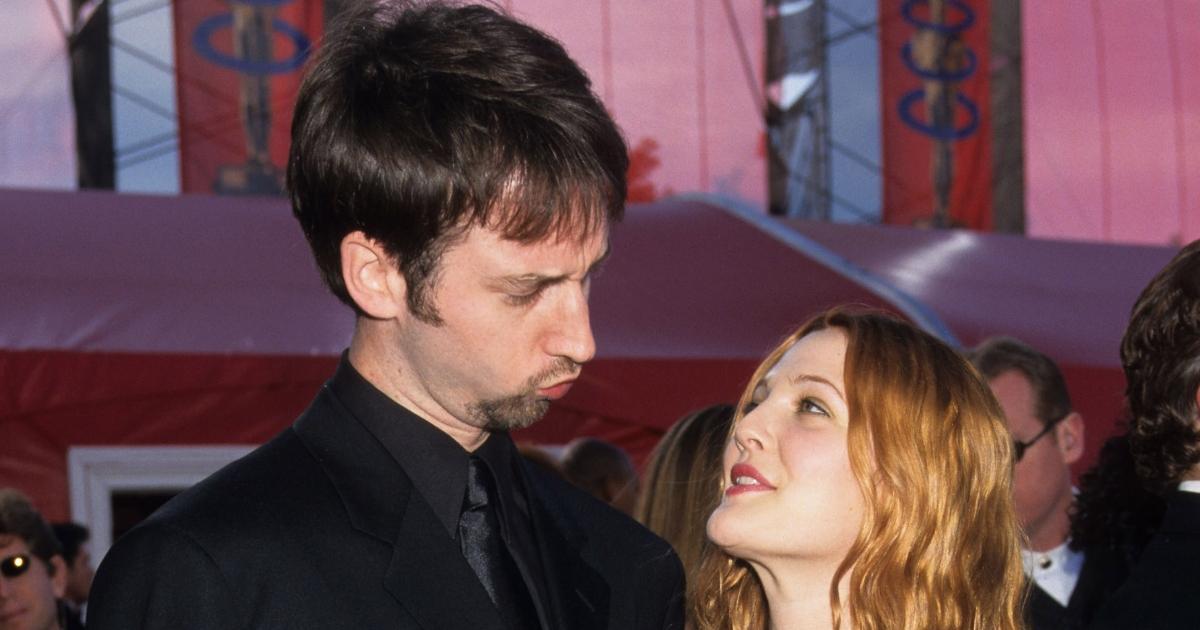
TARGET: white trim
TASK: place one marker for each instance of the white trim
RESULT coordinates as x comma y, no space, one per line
1191,485
95,472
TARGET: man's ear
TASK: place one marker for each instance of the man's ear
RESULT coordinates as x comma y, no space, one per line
1197,421
1070,437
58,577
372,277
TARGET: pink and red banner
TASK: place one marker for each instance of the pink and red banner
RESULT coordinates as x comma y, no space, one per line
935,98
238,69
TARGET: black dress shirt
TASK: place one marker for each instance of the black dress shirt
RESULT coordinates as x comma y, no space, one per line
437,466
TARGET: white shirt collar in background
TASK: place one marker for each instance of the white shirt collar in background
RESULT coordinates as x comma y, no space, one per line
1055,571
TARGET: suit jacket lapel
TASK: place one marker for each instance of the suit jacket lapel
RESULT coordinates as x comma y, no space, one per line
578,594
427,573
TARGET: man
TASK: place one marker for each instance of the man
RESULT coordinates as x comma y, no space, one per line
1068,584
603,470
73,539
32,572
456,179
1161,356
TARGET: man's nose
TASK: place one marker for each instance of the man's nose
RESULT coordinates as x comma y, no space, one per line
572,335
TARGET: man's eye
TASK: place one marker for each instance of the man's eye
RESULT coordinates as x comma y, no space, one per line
523,299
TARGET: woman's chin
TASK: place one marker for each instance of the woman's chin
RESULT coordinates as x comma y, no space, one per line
730,533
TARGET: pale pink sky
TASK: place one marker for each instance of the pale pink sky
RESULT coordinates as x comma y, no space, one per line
37,123
1112,120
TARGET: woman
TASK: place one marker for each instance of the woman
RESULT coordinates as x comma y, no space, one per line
867,485
680,486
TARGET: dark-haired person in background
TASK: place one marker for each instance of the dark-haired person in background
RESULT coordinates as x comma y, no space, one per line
32,572
1113,509
456,178
73,538
1161,356
603,470
1068,584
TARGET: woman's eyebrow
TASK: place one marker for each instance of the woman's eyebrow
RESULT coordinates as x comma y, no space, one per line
813,378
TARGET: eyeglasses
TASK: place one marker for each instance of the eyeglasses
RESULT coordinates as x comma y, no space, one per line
13,566
1020,447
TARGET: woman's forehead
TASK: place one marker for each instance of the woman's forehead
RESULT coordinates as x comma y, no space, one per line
821,353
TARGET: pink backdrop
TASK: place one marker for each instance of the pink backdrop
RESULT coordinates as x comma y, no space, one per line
1112,120
671,73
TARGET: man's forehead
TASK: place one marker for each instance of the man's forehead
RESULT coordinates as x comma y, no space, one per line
580,247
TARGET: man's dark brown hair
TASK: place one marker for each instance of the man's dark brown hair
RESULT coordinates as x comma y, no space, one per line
416,121
998,355
1161,356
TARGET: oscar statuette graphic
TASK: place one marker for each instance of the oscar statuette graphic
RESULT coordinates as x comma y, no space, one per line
254,25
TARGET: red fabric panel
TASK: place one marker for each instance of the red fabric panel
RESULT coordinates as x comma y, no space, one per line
632,402
52,400
215,84
1098,394
907,151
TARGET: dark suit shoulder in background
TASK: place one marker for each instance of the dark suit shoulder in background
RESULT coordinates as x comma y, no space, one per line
1163,591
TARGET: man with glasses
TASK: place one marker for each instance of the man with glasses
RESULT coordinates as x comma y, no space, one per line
32,572
1047,438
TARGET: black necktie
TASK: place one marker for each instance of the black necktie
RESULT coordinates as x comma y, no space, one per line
485,551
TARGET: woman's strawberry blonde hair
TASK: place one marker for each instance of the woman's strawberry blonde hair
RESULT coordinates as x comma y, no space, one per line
939,547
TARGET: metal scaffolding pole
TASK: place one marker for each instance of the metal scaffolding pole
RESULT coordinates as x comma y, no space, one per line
797,109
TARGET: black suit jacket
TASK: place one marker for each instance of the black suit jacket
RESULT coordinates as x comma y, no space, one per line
1102,572
321,528
1163,590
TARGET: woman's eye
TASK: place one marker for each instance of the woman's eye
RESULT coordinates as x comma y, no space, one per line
750,406
808,405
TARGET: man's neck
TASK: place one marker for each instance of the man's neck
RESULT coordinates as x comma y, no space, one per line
382,371
1054,529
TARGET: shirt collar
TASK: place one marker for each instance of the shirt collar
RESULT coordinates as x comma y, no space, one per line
1055,571
434,462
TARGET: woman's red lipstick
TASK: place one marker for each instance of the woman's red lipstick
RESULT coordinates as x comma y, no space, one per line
745,478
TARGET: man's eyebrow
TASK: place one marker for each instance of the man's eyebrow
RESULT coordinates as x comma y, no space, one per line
813,378
529,280
532,280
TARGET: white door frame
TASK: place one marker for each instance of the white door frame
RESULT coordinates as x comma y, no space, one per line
96,472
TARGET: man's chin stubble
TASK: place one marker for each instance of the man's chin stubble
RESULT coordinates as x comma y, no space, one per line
520,410
508,414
